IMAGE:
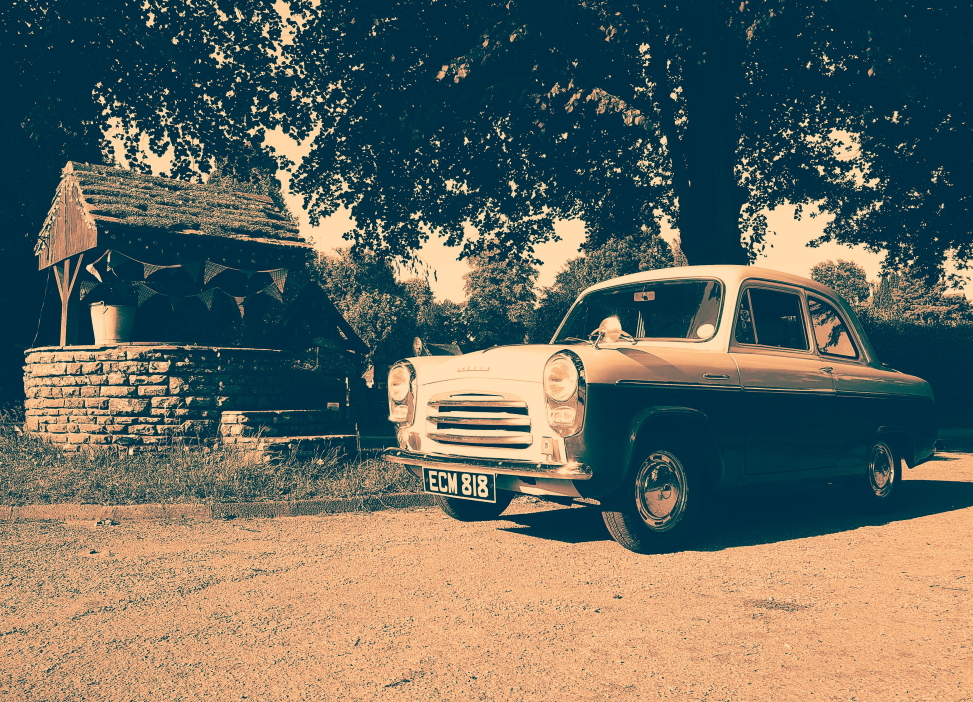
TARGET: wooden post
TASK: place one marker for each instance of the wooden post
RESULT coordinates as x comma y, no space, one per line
65,286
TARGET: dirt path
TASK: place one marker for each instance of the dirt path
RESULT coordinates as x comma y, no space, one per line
800,601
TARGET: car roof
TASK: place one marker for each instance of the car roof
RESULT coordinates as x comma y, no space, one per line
730,275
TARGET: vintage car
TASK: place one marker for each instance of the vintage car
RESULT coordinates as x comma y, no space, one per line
661,392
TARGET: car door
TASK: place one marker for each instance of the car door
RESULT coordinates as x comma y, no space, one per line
788,393
868,397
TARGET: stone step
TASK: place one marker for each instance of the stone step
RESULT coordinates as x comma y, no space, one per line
284,423
301,446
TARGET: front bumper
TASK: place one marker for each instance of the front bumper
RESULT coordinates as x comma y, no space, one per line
504,466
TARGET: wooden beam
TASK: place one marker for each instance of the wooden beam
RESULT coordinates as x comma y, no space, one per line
65,286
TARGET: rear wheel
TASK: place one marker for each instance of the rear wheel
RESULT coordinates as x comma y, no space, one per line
659,508
879,489
473,511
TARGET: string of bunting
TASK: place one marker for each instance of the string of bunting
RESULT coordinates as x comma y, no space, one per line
143,293
209,269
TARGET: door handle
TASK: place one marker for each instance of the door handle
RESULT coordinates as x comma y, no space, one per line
827,369
715,376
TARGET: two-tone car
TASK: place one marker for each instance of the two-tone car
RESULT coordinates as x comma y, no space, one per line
660,393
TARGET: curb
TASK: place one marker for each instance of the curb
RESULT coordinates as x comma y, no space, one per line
223,511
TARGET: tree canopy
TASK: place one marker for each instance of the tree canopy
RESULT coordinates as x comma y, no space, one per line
846,278
507,114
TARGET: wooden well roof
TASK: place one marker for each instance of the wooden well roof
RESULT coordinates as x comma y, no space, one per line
92,200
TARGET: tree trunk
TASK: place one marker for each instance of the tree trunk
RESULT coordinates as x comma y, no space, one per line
705,182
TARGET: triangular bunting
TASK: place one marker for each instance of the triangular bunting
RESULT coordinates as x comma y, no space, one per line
279,275
193,268
249,274
143,292
239,303
211,270
207,297
273,292
86,287
151,268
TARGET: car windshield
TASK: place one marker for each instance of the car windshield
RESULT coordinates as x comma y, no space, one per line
665,309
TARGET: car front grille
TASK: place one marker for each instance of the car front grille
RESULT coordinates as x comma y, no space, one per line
480,420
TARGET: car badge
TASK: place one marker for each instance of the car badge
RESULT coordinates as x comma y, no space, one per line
463,369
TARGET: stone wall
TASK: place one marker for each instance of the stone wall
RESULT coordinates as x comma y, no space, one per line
139,395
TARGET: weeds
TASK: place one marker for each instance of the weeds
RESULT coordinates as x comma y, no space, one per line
33,471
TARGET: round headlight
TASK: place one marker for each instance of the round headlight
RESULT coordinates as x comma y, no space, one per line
560,378
400,382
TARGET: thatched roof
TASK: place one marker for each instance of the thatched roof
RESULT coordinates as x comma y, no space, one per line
111,197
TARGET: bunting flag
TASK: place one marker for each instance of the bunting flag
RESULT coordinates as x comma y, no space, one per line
86,287
239,303
207,297
94,271
151,268
193,269
211,270
273,292
143,292
248,273
279,275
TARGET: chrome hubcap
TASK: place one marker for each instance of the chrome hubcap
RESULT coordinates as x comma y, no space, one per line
881,470
661,491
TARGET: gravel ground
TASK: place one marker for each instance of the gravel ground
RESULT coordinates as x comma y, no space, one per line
790,598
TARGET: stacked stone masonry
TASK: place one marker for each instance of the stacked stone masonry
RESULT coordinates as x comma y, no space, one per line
147,395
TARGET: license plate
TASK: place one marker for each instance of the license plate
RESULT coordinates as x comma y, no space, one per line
456,483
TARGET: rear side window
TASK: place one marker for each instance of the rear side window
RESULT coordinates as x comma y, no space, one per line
771,318
830,332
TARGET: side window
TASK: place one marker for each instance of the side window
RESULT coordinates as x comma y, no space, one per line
772,318
830,332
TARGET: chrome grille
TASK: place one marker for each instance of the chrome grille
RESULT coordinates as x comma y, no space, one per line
480,420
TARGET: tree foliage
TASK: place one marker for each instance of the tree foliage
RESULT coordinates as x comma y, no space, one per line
614,258
911,193
500,300
381,310
507,114
906,297
846,278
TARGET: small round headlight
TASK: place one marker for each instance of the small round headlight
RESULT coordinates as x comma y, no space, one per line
400,382
560,378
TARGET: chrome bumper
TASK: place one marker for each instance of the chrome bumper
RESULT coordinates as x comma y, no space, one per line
504,466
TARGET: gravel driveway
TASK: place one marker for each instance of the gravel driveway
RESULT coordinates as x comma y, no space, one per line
792,598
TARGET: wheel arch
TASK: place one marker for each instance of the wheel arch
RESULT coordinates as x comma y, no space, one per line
901,441
684,425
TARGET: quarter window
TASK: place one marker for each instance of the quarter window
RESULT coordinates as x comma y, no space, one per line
830,332
771,318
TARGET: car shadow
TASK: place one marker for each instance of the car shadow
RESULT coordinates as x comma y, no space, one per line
754,519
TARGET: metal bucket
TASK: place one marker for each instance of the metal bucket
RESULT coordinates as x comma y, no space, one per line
112,323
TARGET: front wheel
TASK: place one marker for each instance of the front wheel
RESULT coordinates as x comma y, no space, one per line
659,508
473,511
880,488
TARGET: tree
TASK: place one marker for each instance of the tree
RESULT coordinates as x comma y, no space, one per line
508,114
614,258
905,297
911,192
846,278
379,308
500,300
171,77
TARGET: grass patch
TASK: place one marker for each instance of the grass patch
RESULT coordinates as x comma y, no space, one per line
32,471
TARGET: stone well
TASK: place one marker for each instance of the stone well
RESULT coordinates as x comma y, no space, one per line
144,395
